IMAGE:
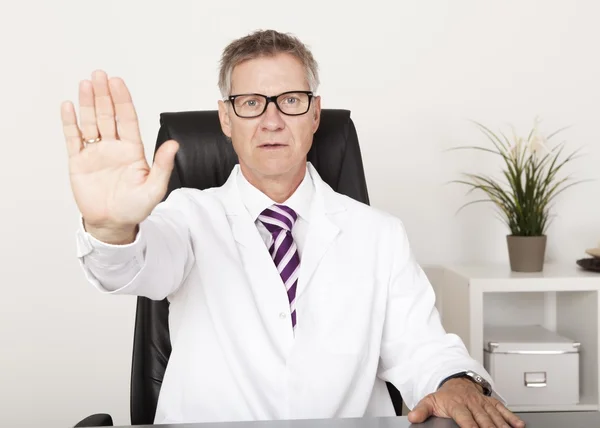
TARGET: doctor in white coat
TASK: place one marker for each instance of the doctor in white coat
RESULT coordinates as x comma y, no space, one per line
287,299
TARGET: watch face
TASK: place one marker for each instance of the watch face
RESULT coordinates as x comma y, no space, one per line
475,378
487,388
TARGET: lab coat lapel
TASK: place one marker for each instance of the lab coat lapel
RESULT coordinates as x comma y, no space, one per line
242,227
323,230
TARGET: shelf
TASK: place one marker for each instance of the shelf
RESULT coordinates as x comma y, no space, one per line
500,279
555,408
502,271
562,298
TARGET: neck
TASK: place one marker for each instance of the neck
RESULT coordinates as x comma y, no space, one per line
277,188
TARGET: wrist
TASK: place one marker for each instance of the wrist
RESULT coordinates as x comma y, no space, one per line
464,382
113,235
473,378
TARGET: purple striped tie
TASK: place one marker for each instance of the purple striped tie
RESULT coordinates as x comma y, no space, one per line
279,220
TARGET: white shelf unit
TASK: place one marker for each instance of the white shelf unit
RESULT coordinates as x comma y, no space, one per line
564,299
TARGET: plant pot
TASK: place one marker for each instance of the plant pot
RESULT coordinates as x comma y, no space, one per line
526,253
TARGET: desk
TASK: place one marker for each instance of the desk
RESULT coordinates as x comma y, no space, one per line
533,420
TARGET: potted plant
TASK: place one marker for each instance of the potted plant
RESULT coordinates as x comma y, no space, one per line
530,183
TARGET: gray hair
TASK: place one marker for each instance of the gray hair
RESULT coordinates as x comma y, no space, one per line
265,43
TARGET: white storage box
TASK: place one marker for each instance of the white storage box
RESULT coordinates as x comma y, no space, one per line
532,366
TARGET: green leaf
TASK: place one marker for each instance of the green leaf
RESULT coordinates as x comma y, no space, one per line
524,201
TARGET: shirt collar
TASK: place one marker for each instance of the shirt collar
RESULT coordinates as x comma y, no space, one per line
256,201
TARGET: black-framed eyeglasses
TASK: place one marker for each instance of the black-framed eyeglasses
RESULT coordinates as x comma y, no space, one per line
291,103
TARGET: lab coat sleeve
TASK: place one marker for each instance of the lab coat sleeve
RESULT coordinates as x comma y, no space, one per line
154,265
416,352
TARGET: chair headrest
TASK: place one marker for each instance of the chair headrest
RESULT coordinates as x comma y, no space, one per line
206,157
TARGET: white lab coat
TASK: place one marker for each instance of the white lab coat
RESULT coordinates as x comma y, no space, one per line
365,311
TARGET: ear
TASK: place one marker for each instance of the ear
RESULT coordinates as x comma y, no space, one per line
316,113
224,118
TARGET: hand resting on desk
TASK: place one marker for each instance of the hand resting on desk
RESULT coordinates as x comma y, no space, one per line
462,400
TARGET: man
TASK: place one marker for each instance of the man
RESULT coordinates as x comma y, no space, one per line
287,300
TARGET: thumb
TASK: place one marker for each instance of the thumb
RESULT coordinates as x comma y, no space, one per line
421,412
164,159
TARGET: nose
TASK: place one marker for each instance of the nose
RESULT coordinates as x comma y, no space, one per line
272,119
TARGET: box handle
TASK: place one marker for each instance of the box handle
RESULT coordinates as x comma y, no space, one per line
535,379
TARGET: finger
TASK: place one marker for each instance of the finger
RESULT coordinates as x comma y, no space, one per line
422,411
164,160
481,416
105,112
496,416
509,416
87,111
70,128
127,120
463,417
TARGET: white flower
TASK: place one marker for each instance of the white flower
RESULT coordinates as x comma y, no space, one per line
515,148
537,144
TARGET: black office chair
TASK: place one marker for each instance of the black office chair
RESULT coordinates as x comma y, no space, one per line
205,159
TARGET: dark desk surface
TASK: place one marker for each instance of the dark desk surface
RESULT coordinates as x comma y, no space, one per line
533,420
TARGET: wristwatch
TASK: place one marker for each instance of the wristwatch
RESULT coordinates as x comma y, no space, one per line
473,377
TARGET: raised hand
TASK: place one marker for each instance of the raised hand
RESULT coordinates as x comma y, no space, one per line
113,185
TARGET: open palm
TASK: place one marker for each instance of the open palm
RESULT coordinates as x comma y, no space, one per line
113,185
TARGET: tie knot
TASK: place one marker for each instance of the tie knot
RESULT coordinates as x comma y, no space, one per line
278,217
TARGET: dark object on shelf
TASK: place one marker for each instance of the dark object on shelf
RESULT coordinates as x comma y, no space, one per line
590,263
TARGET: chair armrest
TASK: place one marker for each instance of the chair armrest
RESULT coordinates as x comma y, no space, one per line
97,420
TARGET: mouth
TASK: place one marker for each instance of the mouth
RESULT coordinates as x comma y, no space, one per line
272,146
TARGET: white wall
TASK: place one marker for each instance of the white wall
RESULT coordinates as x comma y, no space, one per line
412,73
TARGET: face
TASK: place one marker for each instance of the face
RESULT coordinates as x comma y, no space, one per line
272,146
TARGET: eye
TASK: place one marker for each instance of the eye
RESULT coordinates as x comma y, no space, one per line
253,102
249,102
290,100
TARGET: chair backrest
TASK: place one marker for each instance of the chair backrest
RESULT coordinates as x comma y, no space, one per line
205,159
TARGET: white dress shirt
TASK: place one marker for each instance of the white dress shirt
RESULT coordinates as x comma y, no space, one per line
365,309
